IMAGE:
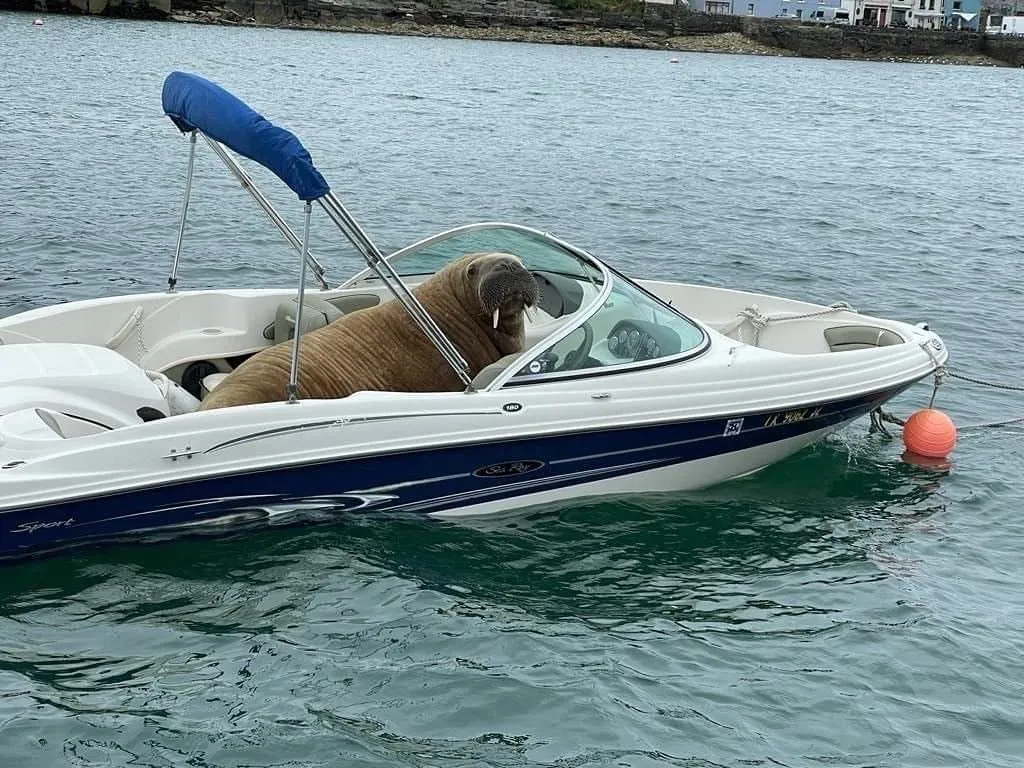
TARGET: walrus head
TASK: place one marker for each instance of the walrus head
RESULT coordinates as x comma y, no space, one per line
503,285
492,291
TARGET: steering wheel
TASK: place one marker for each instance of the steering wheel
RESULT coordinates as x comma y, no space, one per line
577,357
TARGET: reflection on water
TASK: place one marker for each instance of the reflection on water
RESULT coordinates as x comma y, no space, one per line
338,628
840,609
603,560
702,557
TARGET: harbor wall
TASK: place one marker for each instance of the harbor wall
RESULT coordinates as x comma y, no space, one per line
131,9
834,41
843,41
1005,48
654,22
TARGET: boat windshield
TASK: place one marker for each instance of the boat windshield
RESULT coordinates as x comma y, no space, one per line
537,251
630,329
580,321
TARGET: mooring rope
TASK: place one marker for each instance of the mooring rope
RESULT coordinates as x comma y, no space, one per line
879,416
984,424
759,320
996,385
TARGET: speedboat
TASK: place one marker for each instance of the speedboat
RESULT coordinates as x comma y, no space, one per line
623,386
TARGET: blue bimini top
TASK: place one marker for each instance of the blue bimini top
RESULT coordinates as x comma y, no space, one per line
194,103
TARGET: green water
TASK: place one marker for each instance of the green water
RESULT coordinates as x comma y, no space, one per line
843,608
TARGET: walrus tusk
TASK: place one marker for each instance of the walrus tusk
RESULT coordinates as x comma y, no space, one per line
497,311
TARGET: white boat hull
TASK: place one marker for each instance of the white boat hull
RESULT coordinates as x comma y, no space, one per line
621,386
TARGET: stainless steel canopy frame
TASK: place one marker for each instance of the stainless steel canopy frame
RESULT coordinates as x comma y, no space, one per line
254,191
355,234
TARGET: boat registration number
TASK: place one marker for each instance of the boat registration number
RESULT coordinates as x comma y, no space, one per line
792,417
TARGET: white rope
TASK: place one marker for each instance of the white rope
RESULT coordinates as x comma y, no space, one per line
759,320
134,321
127,327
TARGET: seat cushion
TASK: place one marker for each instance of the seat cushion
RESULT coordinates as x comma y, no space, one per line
316,313
841,338
211,381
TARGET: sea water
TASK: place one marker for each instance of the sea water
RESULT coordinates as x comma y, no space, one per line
841,609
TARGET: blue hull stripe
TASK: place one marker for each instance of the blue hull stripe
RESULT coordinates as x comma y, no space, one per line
422,481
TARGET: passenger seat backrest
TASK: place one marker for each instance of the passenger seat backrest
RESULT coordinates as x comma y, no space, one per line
490,372
316,313
843,338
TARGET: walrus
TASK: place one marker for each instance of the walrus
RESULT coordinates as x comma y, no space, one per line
478,300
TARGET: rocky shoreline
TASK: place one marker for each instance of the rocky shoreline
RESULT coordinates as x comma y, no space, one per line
723,42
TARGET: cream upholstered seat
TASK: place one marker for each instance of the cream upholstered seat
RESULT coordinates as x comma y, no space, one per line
490,372
843,338
316,313
211,381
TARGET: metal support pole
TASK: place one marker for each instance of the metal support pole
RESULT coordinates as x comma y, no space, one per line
376,261
172,280
250,186
293,374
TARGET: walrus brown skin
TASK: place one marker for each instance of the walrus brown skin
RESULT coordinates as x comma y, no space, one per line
381,348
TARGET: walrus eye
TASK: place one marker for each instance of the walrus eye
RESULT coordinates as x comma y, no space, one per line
473,270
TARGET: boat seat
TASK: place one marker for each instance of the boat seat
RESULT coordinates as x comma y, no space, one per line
210,382
843,338
490,372
316,313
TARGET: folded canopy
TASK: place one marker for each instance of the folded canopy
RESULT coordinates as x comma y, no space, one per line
195,103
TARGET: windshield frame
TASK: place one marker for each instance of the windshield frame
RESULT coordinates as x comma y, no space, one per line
608,276
509,377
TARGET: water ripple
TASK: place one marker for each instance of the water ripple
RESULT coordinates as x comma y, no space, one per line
841,609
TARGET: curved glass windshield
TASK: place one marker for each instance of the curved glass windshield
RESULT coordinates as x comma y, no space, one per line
629,328
536,251
619,325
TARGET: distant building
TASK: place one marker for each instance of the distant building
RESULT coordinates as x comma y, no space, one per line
826,11
919,14
963,14
715,7
823,10
1005,25
886,13
818,10
927,14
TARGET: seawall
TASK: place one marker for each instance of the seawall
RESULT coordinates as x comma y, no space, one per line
129,9
636,24
848,42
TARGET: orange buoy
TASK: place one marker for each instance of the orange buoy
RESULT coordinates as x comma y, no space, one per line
929,433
